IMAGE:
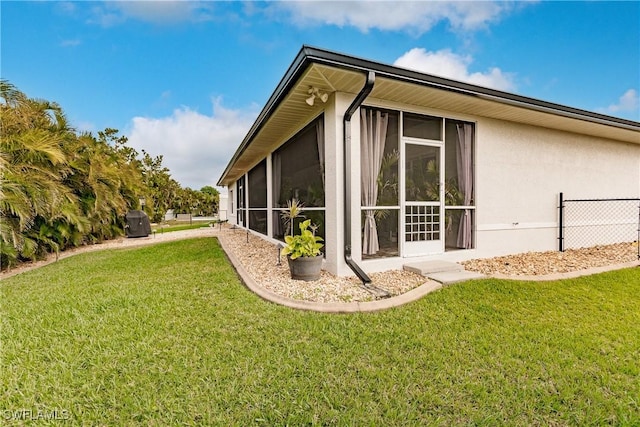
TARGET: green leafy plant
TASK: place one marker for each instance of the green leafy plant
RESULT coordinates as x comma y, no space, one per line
305,244
294,210
388,179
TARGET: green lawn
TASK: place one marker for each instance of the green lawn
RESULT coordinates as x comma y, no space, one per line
179,226
167,335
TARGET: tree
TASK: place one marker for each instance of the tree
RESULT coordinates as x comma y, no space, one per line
107,181
209,200
57,188
60,189
33,165
162,190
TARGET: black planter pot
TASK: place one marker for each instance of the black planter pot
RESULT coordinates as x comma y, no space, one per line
305,268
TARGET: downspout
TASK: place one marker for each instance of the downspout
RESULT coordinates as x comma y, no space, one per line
364,92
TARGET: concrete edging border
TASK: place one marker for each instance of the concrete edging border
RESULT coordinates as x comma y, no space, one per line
328,307
413,295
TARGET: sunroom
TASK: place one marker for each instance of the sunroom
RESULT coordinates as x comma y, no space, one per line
392,164
428,151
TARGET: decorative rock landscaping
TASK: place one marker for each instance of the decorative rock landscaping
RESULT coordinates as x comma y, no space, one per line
260,260
553,262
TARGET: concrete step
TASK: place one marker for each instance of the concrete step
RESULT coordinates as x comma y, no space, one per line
429,267
450,277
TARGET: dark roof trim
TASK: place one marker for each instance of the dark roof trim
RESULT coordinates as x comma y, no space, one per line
294,72
309,55
410,76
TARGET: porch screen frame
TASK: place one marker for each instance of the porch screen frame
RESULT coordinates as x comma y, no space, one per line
257,214
464,239
392,234
424,210
312,134
241,214
446,209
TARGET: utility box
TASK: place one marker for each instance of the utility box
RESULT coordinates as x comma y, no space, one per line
138,224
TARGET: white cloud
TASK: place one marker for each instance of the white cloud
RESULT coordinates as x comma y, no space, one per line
105,16
447,64
70,43
66,7
158,12
629,102
195,147
411,16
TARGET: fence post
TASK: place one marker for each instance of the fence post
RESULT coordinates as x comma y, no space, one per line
638,241
561,223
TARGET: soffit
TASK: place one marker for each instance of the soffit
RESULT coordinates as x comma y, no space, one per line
292,112
424,96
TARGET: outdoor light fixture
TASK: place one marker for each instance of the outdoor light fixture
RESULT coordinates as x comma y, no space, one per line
314,93
279,247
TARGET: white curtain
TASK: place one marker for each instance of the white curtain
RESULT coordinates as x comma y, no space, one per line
465,182
320,141
373,133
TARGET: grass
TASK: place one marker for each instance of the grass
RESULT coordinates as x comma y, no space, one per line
167,335
178,226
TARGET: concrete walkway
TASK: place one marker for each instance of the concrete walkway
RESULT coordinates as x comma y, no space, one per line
444,272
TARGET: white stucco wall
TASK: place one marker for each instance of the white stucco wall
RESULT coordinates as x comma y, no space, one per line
334,182
335,187
231,204
520,170
223,207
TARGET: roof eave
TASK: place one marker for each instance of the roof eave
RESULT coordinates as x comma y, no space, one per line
411,76
310,55
286,83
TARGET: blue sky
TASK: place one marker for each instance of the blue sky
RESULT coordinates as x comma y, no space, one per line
186,79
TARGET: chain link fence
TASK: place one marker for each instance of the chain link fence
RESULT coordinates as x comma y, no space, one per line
590,222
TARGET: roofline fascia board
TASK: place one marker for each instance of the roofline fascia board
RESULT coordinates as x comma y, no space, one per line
423,79
297,67
311,55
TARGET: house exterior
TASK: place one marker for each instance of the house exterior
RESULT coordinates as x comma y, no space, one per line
223,205
396,166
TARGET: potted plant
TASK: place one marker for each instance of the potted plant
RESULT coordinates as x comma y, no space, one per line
303,253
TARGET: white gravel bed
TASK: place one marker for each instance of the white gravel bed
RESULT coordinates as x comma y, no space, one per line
552,262
259,258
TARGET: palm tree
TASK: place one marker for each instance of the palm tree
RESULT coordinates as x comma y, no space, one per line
32,134
106,182
60,189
